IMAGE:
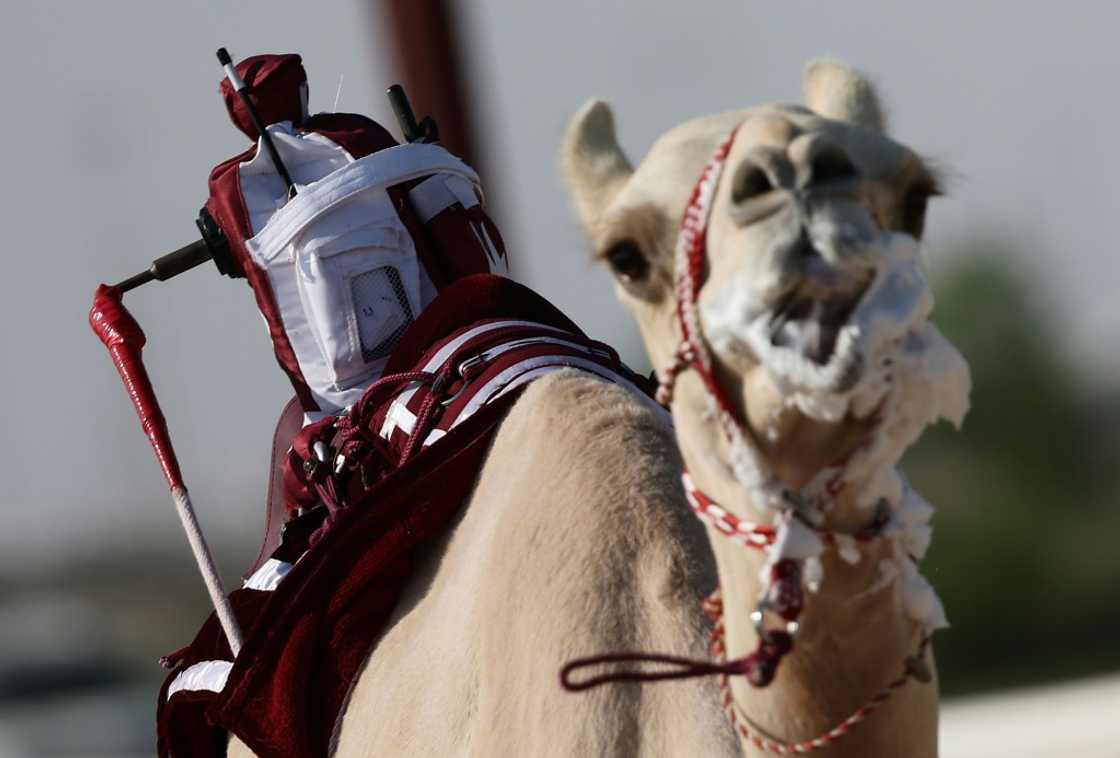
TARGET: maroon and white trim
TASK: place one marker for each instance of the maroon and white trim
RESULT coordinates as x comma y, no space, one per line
211,676
399,417
513,364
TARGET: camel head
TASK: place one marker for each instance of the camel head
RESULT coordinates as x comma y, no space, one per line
815,207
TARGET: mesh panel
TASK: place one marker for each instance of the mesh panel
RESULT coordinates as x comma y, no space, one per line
382,310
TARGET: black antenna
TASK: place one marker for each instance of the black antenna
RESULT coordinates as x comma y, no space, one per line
425,131
243,92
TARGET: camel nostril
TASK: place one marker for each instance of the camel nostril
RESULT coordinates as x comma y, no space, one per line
750,182
831,164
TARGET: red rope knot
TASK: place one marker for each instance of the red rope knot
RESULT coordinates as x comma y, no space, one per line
785,596
761,666
712,606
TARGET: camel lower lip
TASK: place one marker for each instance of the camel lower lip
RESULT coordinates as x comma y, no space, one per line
811,326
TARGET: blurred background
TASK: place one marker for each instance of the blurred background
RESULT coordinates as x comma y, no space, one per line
114,122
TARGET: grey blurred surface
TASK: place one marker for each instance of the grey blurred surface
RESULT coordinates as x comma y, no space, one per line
113,122
1077,719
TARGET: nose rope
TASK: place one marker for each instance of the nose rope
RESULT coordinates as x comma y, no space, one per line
760,666
690,256
685,668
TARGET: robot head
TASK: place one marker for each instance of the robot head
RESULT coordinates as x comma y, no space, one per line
374,231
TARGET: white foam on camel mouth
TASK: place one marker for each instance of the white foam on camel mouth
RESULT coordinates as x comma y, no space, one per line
888,361
886,342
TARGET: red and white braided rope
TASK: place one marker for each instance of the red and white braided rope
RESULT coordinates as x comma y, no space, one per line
713,607
690,256
745,533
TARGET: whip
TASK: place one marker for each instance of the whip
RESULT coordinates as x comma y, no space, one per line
124,339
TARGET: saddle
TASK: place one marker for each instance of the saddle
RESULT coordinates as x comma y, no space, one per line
358,495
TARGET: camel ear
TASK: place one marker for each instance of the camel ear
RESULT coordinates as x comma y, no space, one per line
837,91
594,166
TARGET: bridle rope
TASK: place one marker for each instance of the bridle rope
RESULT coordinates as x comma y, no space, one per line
783,596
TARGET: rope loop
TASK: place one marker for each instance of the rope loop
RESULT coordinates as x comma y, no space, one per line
680,668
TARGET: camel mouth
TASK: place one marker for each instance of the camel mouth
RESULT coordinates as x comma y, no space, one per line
808,319
830,331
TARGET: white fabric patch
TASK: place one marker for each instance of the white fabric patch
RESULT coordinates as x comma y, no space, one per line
206,675
268,576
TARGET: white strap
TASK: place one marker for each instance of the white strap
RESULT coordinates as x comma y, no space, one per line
438,193
381,169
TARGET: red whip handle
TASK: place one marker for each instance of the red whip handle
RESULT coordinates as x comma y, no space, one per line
124,338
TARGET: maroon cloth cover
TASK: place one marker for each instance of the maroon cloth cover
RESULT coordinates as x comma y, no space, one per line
307,638
274,83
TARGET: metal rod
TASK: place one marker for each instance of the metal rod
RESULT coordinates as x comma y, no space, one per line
135,281
243,92
172,264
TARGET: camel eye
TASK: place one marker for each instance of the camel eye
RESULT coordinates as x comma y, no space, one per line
628,262
913,211
750,182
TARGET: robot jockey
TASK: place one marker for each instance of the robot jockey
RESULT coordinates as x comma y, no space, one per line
380,277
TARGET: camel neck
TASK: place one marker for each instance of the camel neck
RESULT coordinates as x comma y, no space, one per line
853,637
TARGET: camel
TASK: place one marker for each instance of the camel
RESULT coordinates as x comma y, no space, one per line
578,537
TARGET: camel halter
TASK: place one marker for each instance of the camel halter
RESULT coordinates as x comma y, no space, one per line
783,596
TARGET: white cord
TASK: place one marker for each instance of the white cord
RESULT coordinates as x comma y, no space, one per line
206,566
337,94
234,79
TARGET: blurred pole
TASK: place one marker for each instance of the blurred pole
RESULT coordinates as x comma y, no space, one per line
429,46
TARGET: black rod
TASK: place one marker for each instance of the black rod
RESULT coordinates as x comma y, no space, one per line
243,92
172,264
402,109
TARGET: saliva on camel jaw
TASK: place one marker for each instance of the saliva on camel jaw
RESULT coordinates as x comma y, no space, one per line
811,352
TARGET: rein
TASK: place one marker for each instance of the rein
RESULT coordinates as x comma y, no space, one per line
783,596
